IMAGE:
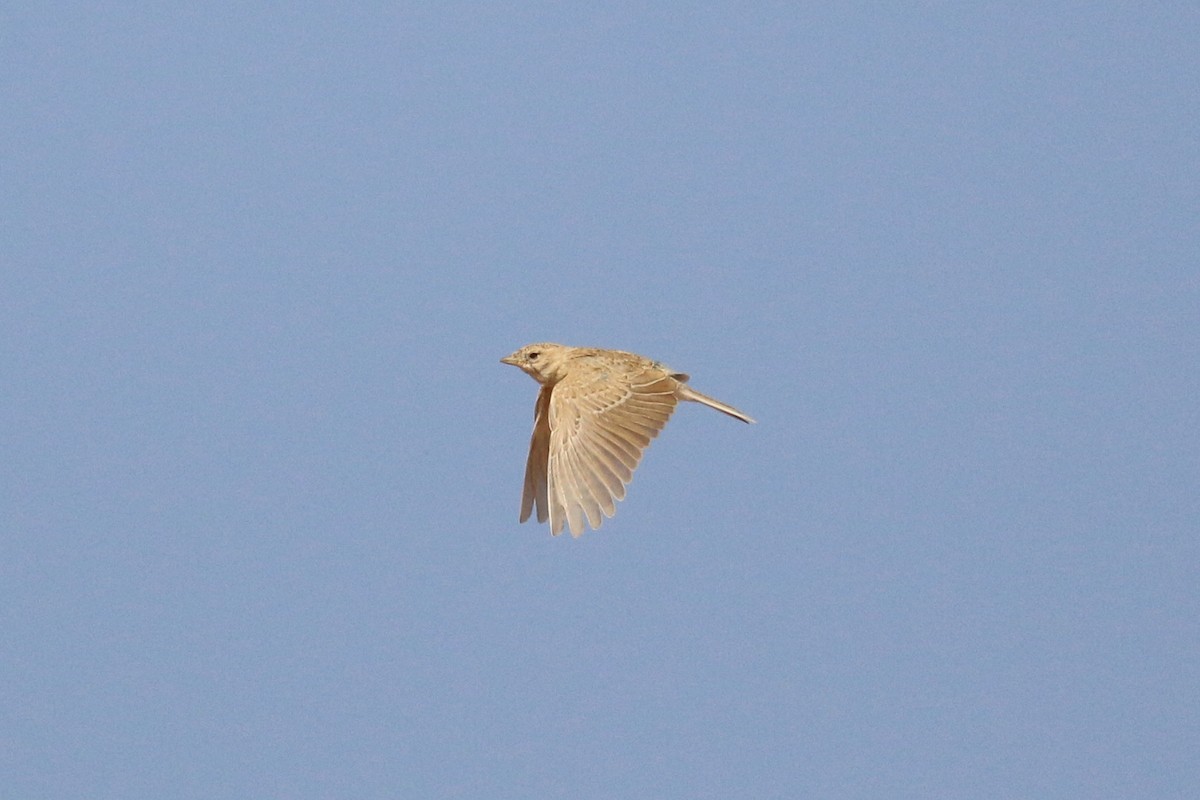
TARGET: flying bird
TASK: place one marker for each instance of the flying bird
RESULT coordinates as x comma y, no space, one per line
595,414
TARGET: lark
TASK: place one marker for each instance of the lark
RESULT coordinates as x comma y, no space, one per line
595,415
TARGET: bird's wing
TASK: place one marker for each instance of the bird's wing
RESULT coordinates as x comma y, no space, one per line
539,453
602,416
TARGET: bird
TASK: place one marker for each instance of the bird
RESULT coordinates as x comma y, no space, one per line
595,414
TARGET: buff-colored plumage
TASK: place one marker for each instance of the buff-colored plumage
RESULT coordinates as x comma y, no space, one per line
597,411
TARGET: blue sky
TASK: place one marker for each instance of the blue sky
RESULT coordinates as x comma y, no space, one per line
262,465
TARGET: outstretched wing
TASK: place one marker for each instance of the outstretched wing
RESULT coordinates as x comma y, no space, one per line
602,416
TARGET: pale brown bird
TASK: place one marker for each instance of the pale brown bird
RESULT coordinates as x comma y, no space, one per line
597,411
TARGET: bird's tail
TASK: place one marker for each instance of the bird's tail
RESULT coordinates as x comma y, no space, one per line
686,392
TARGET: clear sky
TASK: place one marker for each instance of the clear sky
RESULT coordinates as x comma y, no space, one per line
262,467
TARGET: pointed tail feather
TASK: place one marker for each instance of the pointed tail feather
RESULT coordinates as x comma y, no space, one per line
685,392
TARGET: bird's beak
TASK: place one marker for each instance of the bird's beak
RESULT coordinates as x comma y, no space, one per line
510,360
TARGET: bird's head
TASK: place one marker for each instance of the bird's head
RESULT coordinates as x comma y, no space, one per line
545,362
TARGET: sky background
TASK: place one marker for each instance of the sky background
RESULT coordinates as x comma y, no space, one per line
262,467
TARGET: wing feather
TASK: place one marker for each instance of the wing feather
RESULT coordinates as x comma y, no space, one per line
536,465
601,420
620,459
582,490
555,495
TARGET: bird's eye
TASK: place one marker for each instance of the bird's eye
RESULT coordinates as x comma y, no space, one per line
533,356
